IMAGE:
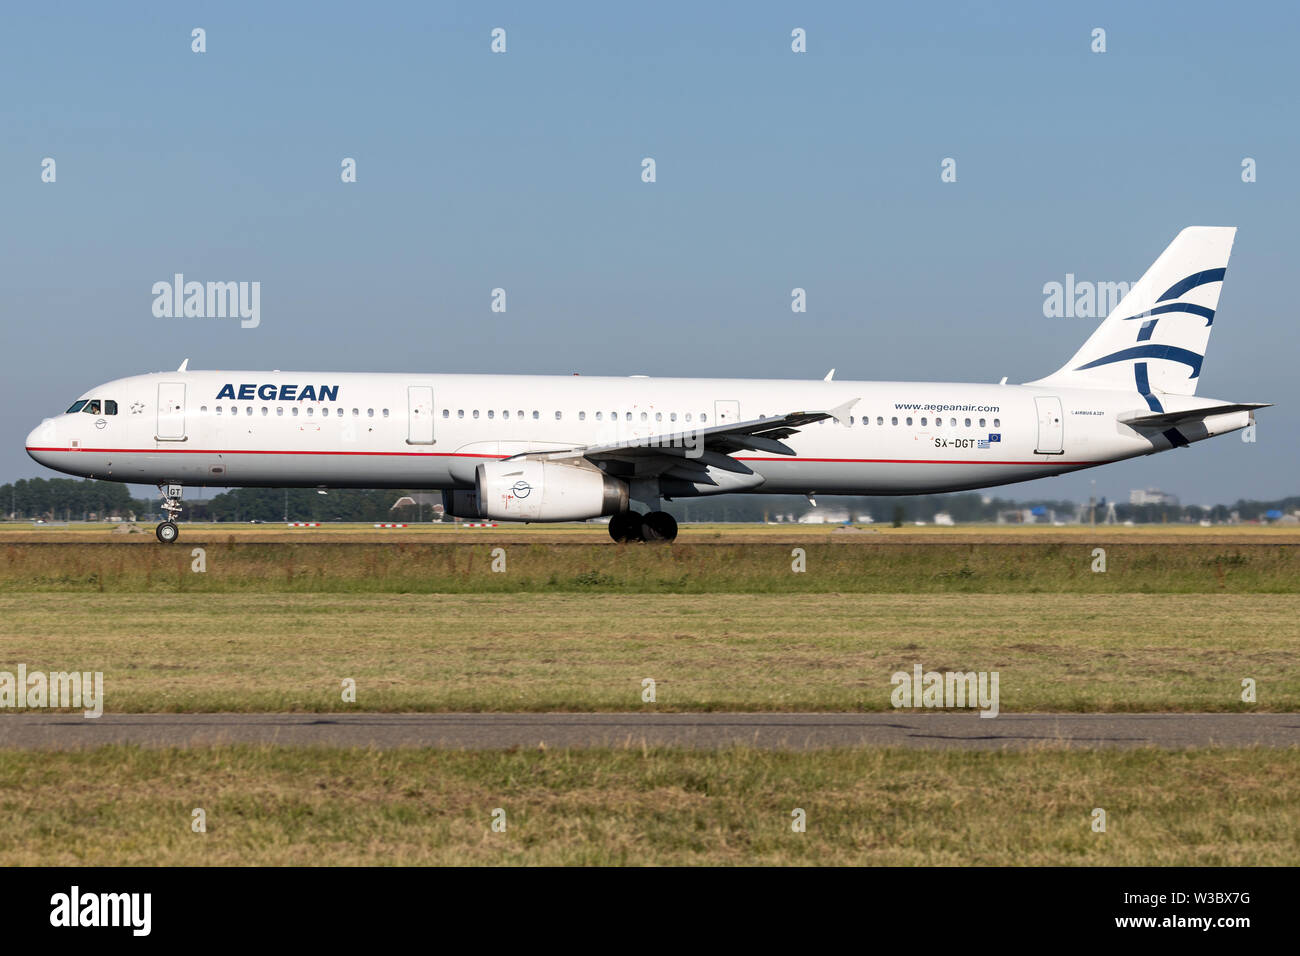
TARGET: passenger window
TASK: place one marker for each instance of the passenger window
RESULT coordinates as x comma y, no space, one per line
248,409
476,413
880,419
505,413
894,420
582,416
909,419
997,423
703,417
672,416
600,416
968,423
923,421
265,411
952,422
491,413
688,416
370,413
645,417
310,411
460,413
446,413
295,411
536,414
559,415
279,412
356,412
218,409
519,413
385,413
981,423
203,410
659,416
628,416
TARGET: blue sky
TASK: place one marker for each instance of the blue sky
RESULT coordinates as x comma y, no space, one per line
522,171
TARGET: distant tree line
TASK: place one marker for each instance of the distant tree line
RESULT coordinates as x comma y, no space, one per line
301,504
85,499
65,499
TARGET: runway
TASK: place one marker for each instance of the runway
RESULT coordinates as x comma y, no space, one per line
773,731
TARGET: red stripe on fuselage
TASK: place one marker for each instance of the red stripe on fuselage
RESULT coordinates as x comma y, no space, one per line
454,454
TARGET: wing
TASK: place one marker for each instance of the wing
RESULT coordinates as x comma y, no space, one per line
697,456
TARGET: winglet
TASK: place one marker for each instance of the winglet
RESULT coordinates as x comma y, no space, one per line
841,412
184,366
829,375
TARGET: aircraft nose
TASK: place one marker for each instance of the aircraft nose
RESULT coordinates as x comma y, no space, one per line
39,440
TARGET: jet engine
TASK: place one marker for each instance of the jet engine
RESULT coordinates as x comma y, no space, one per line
529,489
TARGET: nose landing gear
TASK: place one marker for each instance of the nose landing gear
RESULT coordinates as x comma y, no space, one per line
167,531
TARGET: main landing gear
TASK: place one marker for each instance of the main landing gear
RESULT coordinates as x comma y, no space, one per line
167,531
631,526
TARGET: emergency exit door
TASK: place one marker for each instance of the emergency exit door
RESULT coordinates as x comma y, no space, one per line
1051,430
171,411
419,415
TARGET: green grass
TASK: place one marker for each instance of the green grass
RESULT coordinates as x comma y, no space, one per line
878,566
278,806
590,652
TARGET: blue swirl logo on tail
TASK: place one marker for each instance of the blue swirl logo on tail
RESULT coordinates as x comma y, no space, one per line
1187,308
1152,350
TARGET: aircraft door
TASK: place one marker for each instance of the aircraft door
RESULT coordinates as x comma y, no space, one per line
171,411
1051,429
419,410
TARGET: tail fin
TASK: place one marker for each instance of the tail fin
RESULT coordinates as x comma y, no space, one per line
1155,338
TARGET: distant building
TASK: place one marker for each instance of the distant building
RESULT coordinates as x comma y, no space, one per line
824,516
1152,496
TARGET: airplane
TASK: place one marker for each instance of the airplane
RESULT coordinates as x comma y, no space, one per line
571,448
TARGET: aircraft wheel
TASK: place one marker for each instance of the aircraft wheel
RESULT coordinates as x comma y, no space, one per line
167,532
659,526
625,526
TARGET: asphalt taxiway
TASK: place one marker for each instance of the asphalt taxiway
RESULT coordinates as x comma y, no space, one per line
778,731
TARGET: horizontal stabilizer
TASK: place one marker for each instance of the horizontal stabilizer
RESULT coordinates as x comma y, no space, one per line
1170,419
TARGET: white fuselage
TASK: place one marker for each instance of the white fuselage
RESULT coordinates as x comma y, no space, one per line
430,431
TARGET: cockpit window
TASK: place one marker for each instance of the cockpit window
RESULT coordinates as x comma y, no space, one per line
110,407
92,407
76,407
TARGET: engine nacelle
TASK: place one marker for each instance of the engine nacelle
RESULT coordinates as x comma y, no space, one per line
533,490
